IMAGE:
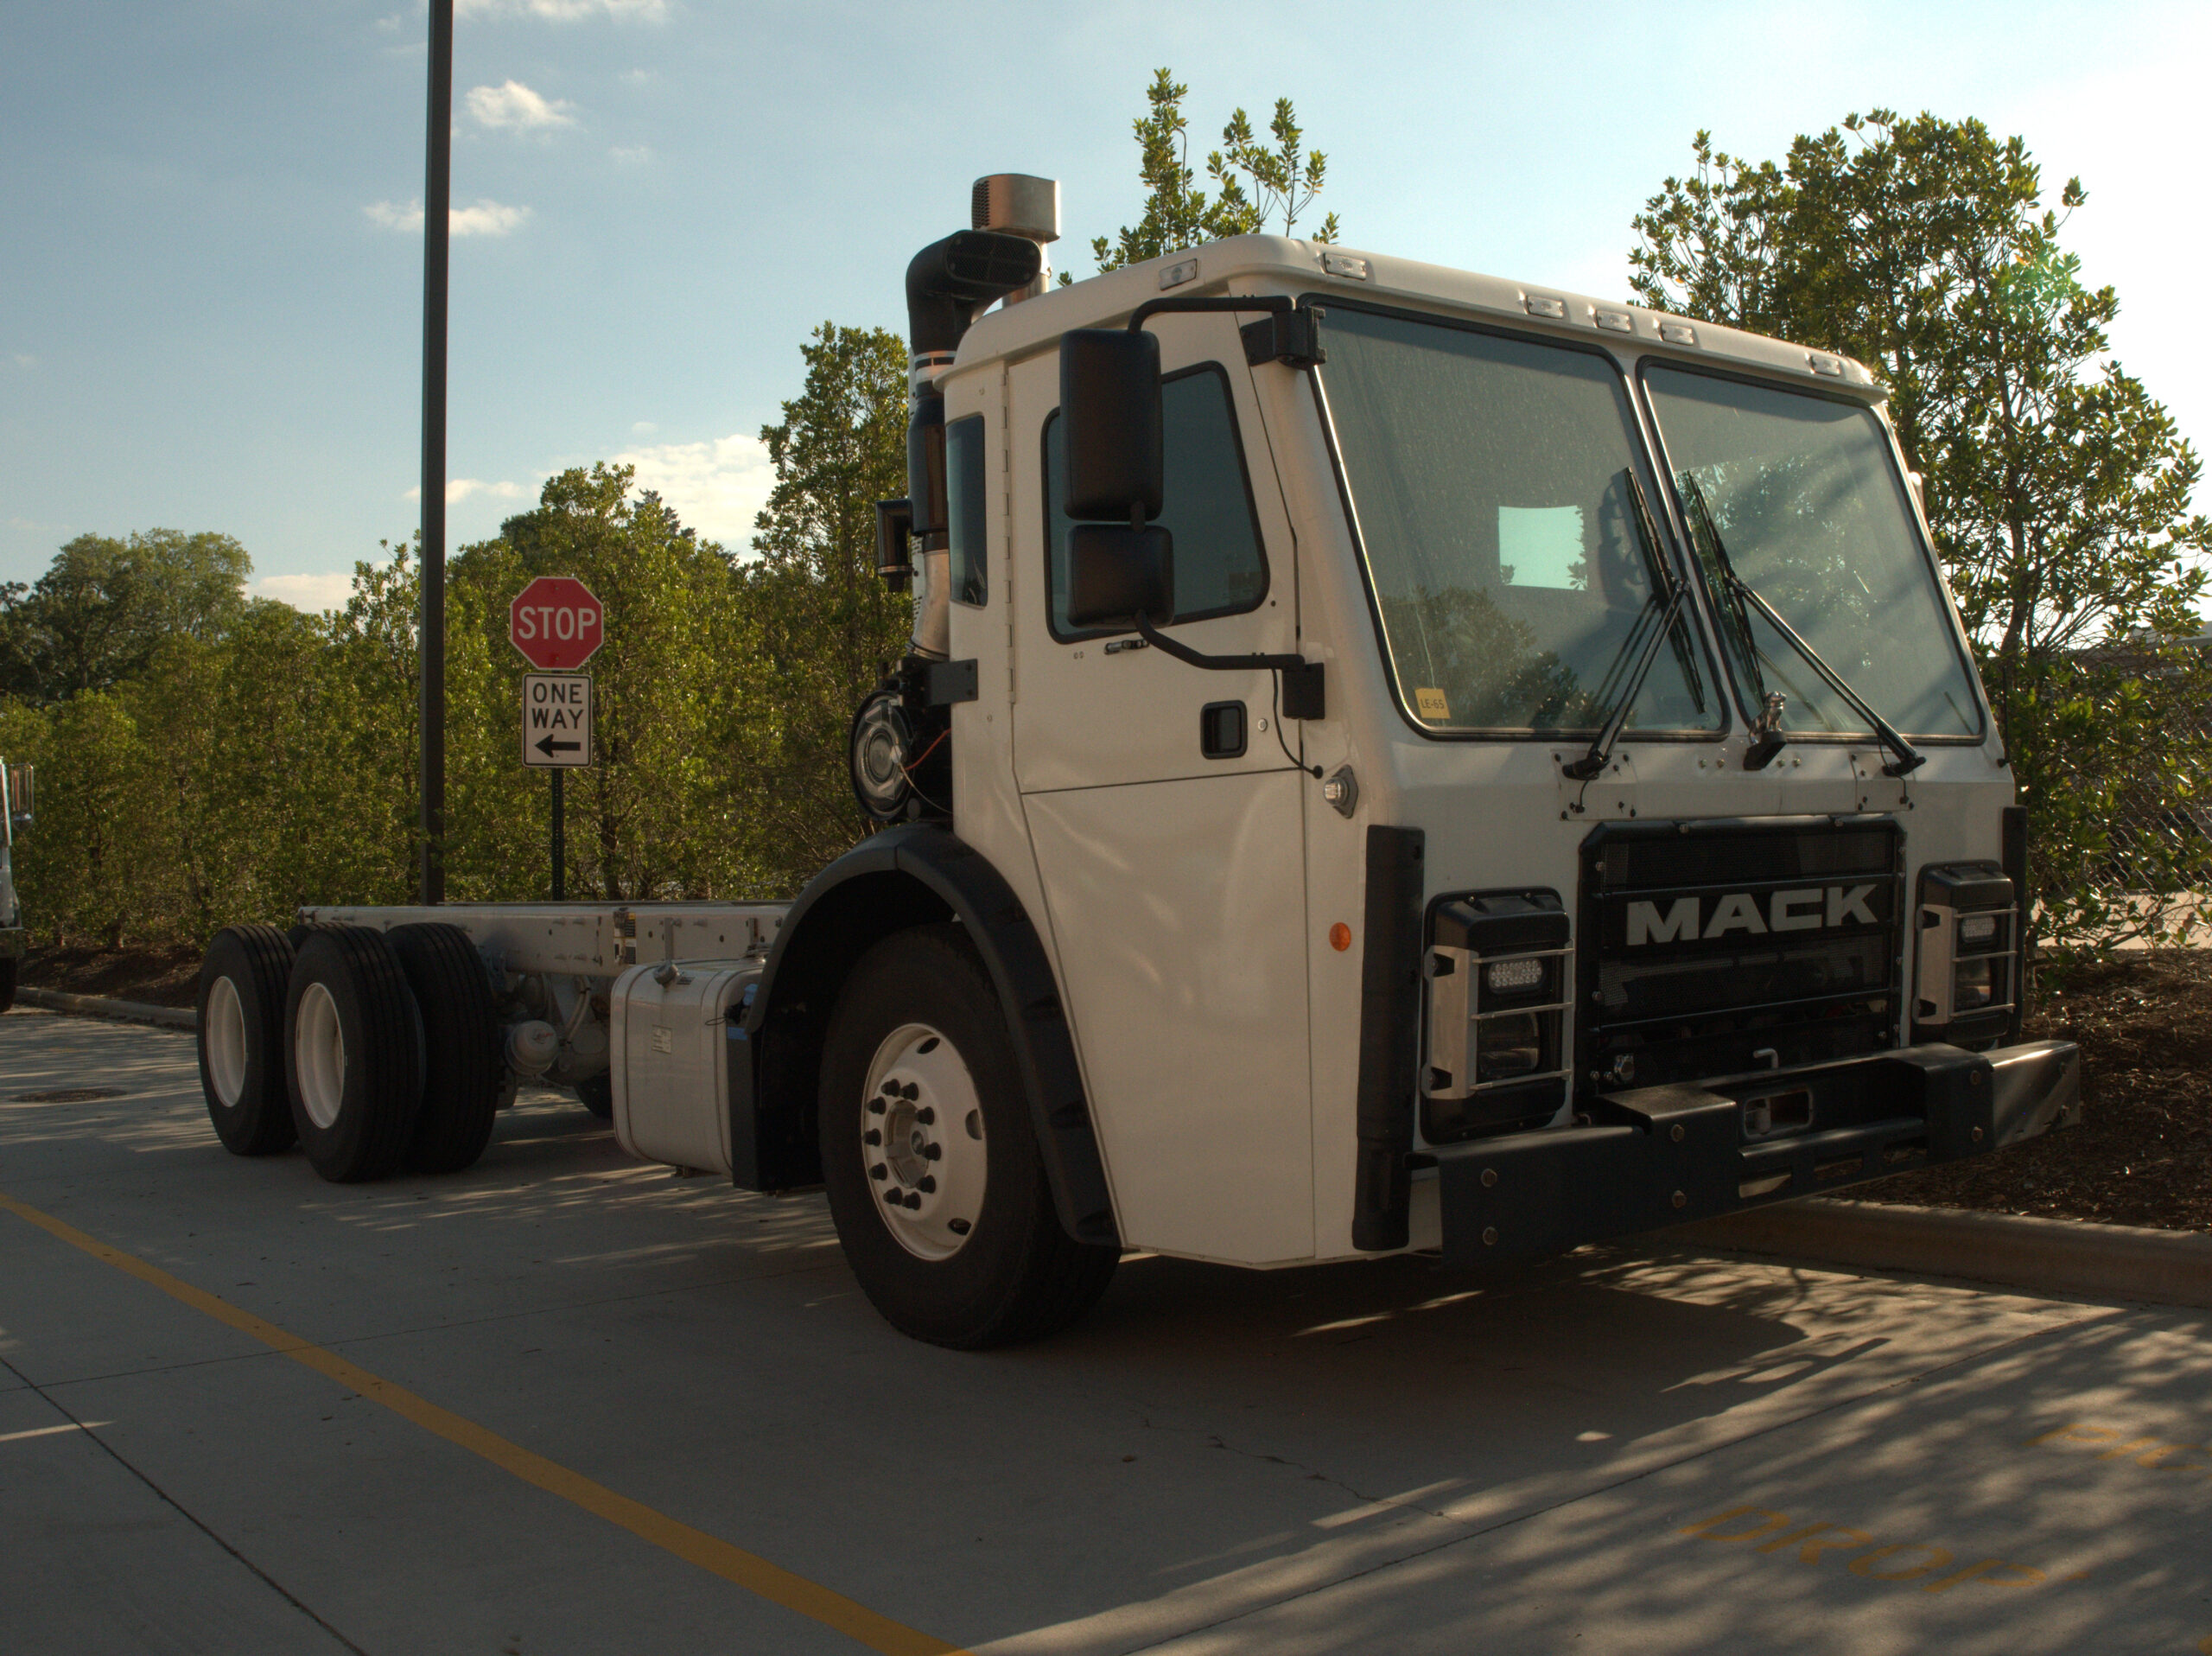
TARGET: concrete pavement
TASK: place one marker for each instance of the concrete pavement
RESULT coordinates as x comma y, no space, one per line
1629,1449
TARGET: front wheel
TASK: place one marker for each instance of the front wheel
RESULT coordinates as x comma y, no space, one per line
930,1160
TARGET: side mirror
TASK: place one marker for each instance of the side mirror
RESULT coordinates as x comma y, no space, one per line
1109,401
1116,574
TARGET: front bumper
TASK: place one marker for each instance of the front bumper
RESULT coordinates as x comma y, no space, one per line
1661,1156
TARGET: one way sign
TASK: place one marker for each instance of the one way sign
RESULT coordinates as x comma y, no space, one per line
556,719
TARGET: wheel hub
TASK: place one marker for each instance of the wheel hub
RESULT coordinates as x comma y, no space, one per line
922,1142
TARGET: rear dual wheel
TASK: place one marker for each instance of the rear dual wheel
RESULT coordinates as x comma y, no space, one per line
242,1065
374,1050
355,1040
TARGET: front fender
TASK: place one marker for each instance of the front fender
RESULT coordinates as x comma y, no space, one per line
918,874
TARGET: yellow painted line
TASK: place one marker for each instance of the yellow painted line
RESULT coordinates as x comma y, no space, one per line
53,1431
711,1553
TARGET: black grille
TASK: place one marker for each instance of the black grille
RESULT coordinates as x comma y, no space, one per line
1715,948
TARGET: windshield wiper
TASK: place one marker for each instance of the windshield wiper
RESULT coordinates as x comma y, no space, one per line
1676,589
1740,592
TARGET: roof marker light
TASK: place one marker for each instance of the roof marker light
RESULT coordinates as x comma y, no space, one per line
1832,366
1182,270
1540,306
1678,333
1617,322
1346,265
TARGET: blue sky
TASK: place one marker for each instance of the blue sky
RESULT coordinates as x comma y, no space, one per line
210,278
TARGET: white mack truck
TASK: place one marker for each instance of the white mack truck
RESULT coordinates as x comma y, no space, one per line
1389,759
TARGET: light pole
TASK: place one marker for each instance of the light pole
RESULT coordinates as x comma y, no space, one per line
438,221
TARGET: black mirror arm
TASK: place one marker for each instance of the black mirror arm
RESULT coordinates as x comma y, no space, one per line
1302,694
1291,336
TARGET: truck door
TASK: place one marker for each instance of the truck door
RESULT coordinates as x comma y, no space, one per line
1164,816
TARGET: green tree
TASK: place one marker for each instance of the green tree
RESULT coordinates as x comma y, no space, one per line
1255,184
662,811
829,625
105,605
2057,488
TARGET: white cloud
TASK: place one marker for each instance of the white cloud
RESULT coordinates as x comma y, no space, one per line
488,218
717,488
634,155
514,105
485,218
460,488
328,590
25,360
564,12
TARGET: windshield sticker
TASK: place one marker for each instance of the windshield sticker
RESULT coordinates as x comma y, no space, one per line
1432,706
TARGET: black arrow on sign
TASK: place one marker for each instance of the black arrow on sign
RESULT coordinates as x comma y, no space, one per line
547,746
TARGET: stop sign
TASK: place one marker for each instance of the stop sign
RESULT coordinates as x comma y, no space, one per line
556,624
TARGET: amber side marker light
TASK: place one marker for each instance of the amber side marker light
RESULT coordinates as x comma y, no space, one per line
1340,936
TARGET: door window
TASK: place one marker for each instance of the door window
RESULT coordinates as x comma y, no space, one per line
1219,567
964,492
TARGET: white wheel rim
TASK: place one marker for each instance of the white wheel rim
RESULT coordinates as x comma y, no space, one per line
320,1045
226,1038
922,1142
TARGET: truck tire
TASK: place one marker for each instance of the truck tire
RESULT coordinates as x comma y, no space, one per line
241,1007
930,1157
353,1053
597,1093
7,983
462,1060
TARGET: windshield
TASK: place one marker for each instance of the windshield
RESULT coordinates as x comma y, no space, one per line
1809,505
1490,485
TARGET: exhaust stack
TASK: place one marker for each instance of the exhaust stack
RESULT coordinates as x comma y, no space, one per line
949,284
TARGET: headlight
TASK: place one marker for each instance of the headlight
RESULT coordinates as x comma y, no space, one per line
1498,971
1968,954
1513,977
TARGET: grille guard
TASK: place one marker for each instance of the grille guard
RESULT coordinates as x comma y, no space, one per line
1663,1155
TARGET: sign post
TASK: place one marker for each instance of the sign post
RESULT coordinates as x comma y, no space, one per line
557,625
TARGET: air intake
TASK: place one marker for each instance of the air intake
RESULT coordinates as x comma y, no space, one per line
1018,205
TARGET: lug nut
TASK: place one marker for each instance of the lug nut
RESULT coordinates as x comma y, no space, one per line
875,1106
932,1152
871,1136
927,1185
879,1171
926,1116
913,1200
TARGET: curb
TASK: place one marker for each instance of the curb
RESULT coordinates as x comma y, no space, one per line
94,1006
2053,1255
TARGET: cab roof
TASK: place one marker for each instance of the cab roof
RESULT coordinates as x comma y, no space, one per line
1253,264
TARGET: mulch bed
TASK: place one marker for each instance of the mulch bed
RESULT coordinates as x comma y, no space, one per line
168,976
2142,1155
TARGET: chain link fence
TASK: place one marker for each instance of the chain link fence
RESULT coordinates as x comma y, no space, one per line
2125,813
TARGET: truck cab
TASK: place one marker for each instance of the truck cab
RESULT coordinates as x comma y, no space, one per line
1654,850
